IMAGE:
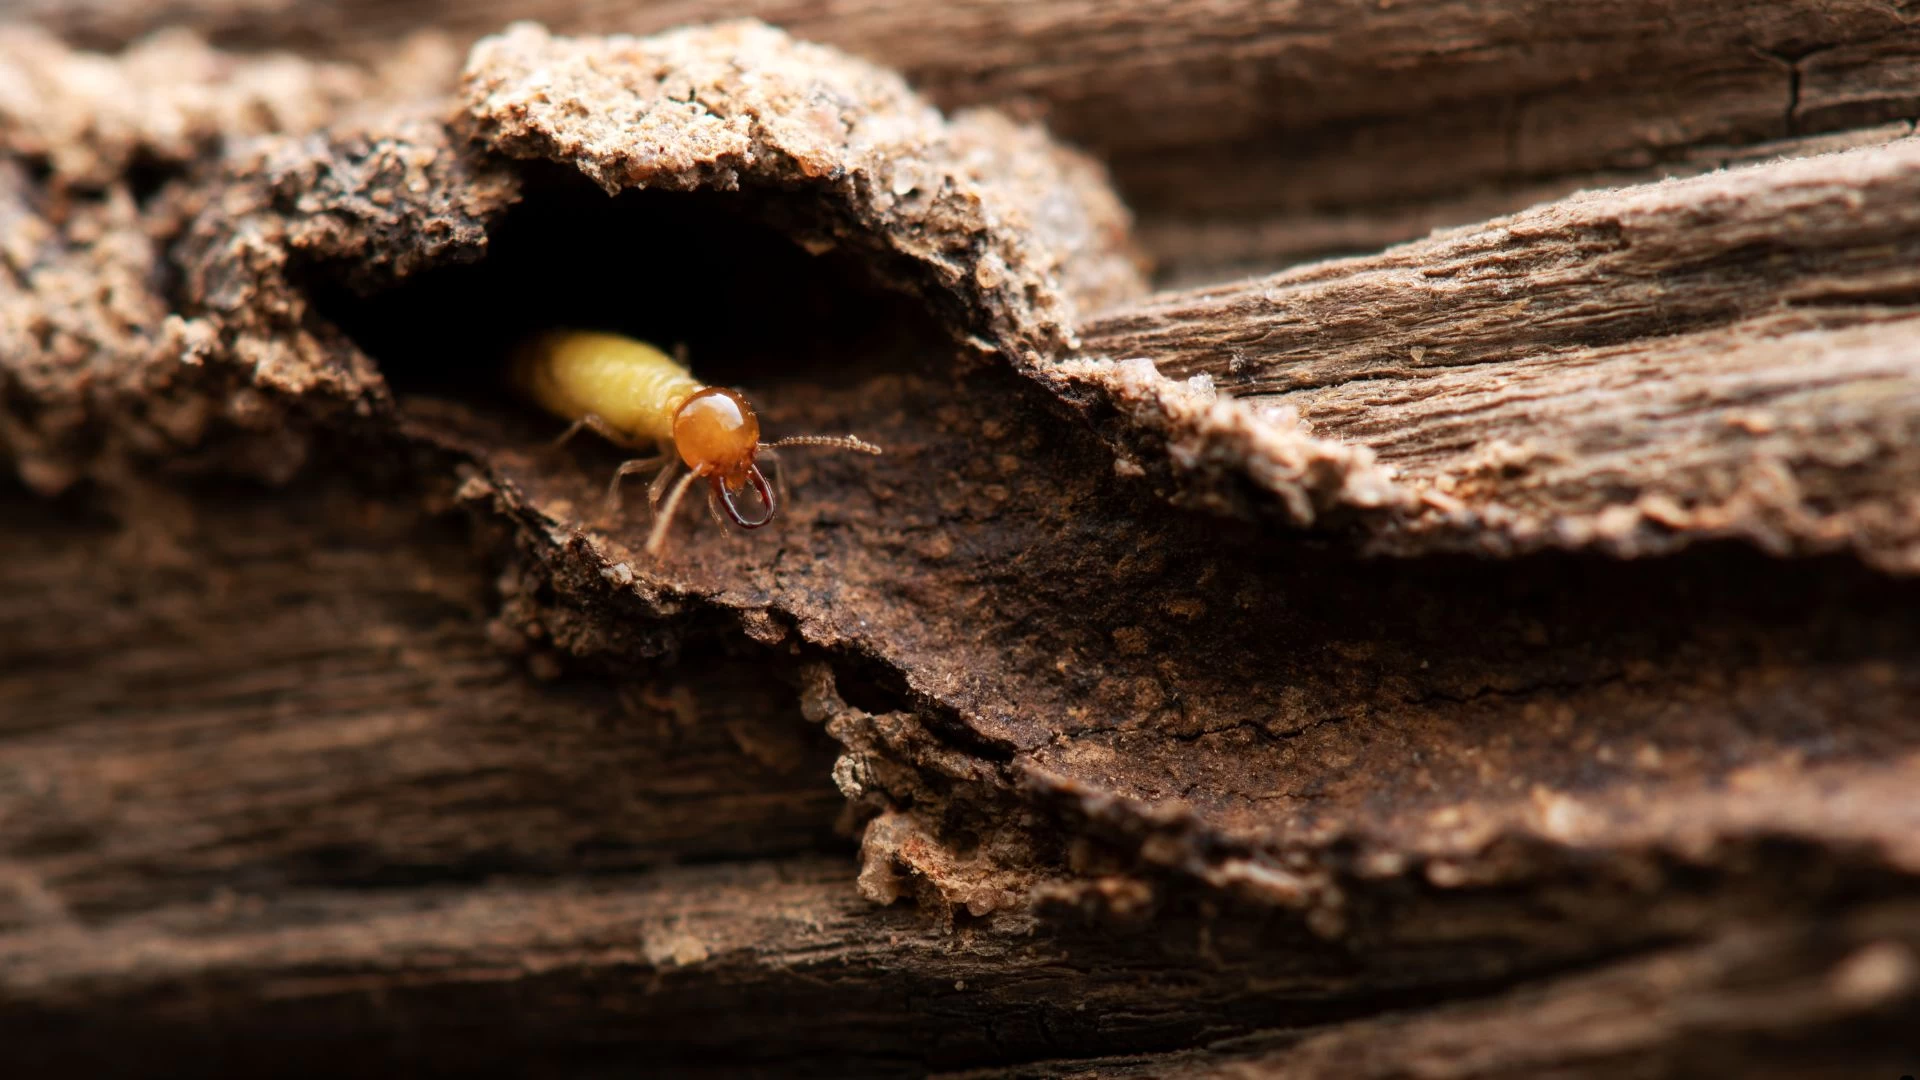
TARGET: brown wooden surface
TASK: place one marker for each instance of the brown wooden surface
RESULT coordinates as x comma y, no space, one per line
1247,133
1728,355
1491,656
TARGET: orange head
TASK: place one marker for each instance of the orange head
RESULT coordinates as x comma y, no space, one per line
717,435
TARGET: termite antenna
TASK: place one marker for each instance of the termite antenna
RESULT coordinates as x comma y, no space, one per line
658,536
836,442
760,487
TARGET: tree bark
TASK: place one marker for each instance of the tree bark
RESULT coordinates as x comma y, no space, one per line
1490,656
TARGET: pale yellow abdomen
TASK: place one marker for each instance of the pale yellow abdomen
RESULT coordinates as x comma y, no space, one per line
631,385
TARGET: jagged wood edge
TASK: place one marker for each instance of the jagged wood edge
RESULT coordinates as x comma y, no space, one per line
1632,371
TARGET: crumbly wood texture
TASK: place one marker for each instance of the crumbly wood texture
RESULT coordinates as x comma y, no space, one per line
1636,369
1493,656
1248,133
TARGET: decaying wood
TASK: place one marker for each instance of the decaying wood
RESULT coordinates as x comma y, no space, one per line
1489,657
1248,133
408,824
376,728
1730,355
1748,1002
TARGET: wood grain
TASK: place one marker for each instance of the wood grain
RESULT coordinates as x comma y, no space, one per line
1258,118
341,732
1731,355
186,716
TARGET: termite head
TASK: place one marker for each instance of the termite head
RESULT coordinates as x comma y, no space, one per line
718,435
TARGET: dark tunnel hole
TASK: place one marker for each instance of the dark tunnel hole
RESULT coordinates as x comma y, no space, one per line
708,271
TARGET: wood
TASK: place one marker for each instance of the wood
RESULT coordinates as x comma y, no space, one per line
1748,1001
1493,656
1298,130
1632,370
657,966
379,727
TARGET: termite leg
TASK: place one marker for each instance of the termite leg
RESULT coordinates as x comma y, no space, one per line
658,537
593,422
626,469
713,505
658,489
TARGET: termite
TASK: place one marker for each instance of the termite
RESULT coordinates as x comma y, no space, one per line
634,396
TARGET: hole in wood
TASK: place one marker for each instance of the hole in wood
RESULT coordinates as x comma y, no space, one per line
707,271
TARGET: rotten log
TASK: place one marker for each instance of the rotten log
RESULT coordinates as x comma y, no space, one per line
1247,134
1492,656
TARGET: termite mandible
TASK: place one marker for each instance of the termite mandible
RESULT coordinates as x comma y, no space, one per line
632,395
